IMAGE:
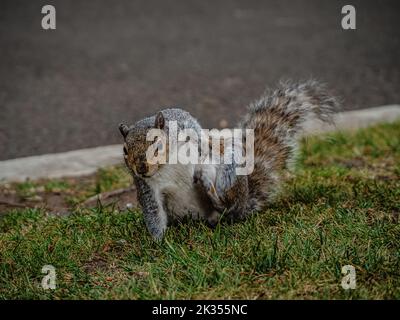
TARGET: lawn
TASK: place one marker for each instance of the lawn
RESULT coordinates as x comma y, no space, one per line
339,207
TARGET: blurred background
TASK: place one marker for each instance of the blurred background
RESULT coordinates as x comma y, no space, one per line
114,61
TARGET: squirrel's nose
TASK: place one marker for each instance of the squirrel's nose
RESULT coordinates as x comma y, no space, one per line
142,168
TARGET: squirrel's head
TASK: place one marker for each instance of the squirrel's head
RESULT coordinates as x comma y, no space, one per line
139,153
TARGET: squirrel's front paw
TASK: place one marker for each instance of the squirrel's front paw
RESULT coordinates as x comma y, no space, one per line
204,179
197,176
201,179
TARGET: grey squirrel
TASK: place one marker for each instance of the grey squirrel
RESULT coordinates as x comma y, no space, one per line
167,192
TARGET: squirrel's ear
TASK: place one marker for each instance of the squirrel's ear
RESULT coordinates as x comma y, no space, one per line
123,128
160,121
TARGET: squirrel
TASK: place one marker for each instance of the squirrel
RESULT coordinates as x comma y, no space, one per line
169,192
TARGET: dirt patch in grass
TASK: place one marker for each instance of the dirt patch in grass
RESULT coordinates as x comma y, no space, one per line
62,196
53,203
120,198
96,264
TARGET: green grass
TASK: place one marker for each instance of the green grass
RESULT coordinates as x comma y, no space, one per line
341,207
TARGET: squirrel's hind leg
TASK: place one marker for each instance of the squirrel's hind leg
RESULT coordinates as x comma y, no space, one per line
228,192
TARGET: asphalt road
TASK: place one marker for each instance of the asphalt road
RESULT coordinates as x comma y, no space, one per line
113,61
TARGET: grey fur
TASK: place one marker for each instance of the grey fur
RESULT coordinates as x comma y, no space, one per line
151,210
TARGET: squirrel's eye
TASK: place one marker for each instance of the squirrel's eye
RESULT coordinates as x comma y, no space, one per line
125,151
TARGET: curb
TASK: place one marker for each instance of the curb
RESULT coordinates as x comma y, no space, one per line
87,161
66,164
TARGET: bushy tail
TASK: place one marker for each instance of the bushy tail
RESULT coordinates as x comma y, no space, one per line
277,119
